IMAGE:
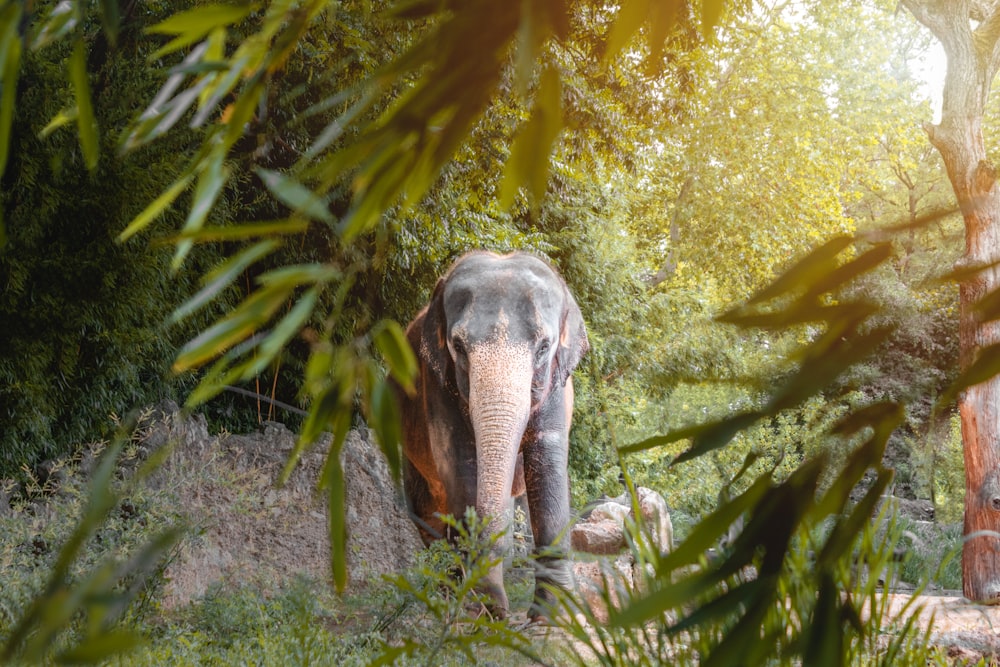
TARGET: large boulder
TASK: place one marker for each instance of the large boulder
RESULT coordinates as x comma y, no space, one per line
381,537
605,573
248,529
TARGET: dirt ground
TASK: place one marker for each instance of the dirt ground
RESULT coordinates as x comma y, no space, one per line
970,631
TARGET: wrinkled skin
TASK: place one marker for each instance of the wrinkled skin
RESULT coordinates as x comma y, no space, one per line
491,416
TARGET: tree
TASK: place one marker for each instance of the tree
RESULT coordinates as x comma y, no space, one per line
969,30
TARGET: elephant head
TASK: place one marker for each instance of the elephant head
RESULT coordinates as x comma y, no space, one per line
497,345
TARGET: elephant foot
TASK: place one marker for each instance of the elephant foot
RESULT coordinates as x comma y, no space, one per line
495,603
553,579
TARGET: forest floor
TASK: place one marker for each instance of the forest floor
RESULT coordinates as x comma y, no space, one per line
969,631
248,533
276,534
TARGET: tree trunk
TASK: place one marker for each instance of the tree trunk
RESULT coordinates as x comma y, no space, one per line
968,30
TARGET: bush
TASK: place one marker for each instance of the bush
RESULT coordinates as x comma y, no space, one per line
86,331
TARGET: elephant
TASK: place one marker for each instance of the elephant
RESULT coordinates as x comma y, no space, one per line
490,417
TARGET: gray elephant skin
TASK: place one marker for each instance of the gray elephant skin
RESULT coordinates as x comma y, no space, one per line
491,414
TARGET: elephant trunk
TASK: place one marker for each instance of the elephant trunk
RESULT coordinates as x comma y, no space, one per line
500,378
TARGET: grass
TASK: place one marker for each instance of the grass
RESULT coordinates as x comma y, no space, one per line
424,616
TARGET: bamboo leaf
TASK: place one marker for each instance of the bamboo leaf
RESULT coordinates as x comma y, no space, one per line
385,421
390,339
211,180
243,322
283,332
223,276
110,19
295,196
332,480
630,17
156,208
299,274
62,19
242,231
529,156
10,65
985,367
718,435
86,123
807,271
711,15
201,20
64,117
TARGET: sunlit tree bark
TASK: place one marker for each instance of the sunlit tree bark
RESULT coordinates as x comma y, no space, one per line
969,31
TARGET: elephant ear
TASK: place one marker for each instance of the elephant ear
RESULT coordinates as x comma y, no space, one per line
430,343
573,343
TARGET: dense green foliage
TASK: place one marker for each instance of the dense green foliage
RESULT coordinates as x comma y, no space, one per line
339,157
86,331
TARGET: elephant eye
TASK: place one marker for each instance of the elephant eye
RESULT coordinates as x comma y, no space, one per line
459,347
542,350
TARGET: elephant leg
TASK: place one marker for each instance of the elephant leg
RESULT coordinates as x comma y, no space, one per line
462,495
547,482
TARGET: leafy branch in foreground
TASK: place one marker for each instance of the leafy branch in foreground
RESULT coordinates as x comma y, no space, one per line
444,594
759,603
391,134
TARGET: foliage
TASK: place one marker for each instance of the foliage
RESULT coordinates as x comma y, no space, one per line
450,623
68,602
794,627
85,333
346,169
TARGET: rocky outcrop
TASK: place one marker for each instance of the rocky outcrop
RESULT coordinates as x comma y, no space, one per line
605,572
249,529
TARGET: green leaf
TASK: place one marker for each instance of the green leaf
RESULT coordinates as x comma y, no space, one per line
332,480
629,19
390,339
299,274
718,434
110,19
211,180
10,65
711,15
243,322
985,367
529,156
157,207
64,117
86,123
202,20
295,196
807,271
62,19
221,277
242,232
385,421
283,332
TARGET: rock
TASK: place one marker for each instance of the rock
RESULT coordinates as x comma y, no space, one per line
381,537
251,530
611,511
598,537
604,584
656,515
